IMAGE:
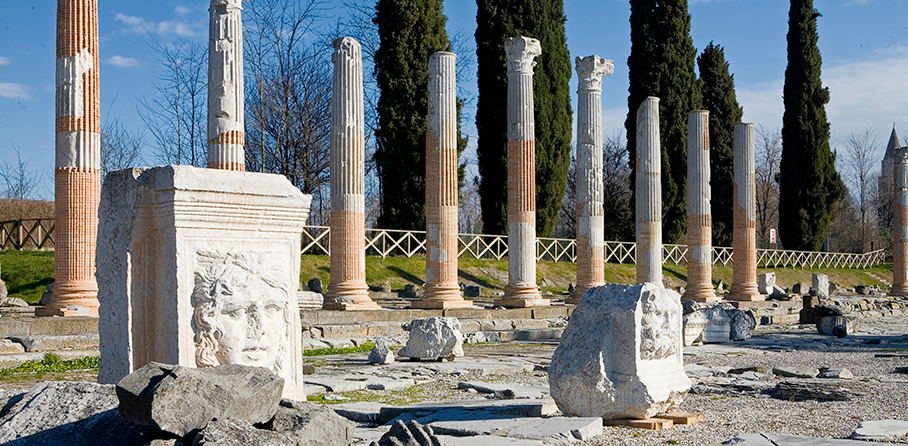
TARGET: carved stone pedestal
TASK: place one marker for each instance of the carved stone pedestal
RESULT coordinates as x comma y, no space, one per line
200,267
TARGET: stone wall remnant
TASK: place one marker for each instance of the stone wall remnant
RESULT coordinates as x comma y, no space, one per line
620,357
442,289
744,257
200,268
649,193
225,86
347,289
77,176
521,290
699,215
590,224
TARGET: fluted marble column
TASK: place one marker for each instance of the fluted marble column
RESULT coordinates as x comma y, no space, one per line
649,193
77,178
744,256
348,289
442,288
521,290
900,224
699,215
225,86
590,231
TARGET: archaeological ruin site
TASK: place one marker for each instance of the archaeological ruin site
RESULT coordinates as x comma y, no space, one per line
185,308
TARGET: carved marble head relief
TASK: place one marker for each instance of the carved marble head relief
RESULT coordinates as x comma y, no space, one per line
240,312
659,337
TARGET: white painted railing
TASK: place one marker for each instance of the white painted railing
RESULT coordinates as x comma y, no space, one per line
386,242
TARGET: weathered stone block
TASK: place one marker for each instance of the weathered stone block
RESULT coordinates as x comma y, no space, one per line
620,356
820,283
433,338
766,283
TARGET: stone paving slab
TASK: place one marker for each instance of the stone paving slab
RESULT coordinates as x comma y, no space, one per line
51,326
87,341
469,428
519,391
335,384
882,430
516,408
795,440
560,428
488,440
361,412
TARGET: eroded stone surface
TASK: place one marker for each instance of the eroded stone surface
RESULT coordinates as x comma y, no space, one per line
433,338
310,424
231,432
620,357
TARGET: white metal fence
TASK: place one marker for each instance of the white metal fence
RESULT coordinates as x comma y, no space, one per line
391,243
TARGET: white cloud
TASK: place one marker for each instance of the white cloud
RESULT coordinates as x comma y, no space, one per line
182,10
4,61
123,62
138,25
13,91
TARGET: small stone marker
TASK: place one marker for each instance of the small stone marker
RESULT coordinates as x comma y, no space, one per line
381,354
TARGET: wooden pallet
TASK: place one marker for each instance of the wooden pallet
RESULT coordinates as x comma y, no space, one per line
662,421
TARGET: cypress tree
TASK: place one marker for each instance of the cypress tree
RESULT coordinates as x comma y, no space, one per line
718,87
498,20
409,32
810,187
661,64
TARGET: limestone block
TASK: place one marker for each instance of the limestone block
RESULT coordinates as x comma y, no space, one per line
69,413
882,430
231,432
706,324
88,341
309,300
742,324
620,357
8,347
381,354
311,424
820,283
433,338
180,399
766,283
200,267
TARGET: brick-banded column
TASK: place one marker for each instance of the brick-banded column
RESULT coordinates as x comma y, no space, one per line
744,256
521,290
348,289
225,86
649,193
900,224
442,288
77,178
590,235
699,215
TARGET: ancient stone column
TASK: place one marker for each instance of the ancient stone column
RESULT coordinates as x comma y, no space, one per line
590,235
744,257
225,86
442,289
649,193
699,215
900,224
77,179
348,289
521,290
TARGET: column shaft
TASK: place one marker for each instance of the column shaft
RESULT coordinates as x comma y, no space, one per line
649,193
77,178
744,256
590,235
699,215
348,289
225,86
442,288
521,290
900,224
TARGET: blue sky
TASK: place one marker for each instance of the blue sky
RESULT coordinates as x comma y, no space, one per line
864,44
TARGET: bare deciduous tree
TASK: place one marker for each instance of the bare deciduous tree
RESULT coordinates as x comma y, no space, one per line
858,165
768,155
21,181
120,147
176,114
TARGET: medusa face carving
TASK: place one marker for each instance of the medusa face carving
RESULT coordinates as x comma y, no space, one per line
659,336
241,313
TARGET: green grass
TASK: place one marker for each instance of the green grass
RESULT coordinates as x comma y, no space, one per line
367,347
27,273
414,394
50,364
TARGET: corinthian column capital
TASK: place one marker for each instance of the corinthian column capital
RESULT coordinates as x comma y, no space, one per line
520,52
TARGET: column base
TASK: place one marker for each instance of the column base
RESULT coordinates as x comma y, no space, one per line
72,300
744,293
707,295
518,296
349,296
898,290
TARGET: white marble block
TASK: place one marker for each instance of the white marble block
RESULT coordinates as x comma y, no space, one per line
766,284
200,267
620,356
820,283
